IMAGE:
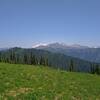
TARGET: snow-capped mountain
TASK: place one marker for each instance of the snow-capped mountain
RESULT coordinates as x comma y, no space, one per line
38,45
75,50
57,45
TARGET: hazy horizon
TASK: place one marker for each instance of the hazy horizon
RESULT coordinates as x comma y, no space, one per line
27,22
47,43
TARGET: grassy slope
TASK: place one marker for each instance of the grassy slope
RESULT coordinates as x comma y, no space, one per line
42,83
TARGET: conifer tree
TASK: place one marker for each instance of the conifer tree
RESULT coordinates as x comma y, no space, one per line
71,67
97,69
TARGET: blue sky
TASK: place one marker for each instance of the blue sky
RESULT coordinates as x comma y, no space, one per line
25,22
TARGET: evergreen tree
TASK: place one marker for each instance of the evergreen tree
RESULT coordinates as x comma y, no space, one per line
42,61
97,69
46,62
12,56
0,56
33,60
92,71
25,59
71,67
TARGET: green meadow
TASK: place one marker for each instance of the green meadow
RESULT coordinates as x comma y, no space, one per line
28,82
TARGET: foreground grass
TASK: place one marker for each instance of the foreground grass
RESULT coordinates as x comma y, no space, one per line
26,82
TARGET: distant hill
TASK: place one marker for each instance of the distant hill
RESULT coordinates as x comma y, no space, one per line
82,52
46,58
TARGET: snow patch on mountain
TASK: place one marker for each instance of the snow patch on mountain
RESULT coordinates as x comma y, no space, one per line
58,45
39,44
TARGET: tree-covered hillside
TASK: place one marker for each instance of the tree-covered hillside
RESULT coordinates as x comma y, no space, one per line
41,57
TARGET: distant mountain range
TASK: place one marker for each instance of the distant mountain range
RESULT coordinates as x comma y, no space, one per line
82,52
59,45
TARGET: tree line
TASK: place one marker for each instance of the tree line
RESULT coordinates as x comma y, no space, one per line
39,57
25,58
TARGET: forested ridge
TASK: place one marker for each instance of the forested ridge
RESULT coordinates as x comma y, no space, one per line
46,58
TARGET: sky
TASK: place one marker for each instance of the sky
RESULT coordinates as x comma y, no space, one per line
27,22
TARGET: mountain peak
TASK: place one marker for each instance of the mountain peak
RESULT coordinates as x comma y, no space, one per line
58,45
38,45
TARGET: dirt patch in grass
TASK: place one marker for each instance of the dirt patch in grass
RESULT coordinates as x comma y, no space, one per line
18,91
